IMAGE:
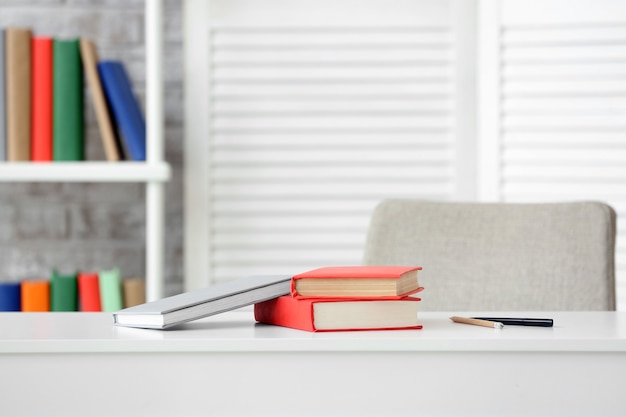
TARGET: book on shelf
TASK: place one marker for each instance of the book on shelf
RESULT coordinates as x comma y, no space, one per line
110,139
83,291
111,290
35,295
89,292
41,99
68,120
10,296
125,107
357,282
134,291
18,79
316,315
204,302
3,106
63,292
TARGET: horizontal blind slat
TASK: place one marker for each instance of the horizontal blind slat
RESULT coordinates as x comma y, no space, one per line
329,38
339,156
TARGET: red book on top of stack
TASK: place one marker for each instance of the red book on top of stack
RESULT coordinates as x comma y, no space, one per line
347,298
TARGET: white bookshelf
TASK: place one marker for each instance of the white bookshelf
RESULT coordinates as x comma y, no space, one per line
154,172
84,172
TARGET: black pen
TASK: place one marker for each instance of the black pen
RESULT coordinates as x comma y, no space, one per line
512,321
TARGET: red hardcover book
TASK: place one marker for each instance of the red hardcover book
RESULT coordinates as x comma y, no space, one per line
379,282
41,99
89,292
319,315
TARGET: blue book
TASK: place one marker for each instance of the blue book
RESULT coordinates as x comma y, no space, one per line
125,108
10,296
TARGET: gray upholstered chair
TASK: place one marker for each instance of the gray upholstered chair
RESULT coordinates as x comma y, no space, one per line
500,256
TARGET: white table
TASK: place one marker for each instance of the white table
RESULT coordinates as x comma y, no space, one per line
228,365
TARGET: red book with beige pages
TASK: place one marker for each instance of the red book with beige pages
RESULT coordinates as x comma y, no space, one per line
324,315
370,282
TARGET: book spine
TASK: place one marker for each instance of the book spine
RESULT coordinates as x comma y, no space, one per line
134,291
35,296
111,290
89,292
10,296
18,67
286,311
3,107
108,135
125,107
68,123
63,292
41,101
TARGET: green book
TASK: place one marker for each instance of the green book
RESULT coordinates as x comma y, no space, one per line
111,290
68,120
63,292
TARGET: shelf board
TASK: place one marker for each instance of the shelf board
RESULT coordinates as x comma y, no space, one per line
84,171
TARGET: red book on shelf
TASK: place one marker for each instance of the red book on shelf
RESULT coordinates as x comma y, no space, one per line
339,314
35,295
89,292
378,282
41,99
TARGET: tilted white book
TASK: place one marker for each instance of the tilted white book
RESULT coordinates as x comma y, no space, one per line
204,302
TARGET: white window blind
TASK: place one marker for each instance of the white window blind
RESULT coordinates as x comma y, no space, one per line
305,114
554,111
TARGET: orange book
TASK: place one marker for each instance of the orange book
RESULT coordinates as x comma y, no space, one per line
339,314
41,99
377,282
35,295
89,292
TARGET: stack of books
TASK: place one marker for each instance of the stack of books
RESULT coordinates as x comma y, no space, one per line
83,291
42,104
324,299
347,298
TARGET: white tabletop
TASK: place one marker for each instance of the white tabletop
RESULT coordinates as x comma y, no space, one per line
237,331
445,369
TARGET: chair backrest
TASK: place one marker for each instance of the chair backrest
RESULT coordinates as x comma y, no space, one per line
500,256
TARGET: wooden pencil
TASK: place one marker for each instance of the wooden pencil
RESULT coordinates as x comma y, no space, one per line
477,322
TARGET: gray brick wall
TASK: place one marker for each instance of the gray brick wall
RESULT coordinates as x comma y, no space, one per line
76,226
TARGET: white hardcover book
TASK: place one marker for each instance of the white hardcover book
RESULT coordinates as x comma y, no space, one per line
204,302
